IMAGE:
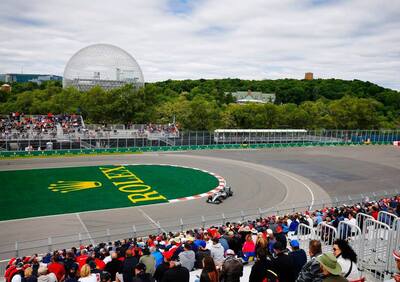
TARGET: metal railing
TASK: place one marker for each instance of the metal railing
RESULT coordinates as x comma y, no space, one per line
373,243
133,139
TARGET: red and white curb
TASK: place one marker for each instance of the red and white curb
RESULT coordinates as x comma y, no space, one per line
221,183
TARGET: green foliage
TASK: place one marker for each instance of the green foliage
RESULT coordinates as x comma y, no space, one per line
208,104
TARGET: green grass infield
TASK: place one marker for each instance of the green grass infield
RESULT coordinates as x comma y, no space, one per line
40,192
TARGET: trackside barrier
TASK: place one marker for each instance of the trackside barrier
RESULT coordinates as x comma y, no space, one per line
387,218
327,234
377,248
352,233
361,218
395,244
130,150
305,234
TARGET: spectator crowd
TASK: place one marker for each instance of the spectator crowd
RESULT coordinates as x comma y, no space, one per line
269,244
20,126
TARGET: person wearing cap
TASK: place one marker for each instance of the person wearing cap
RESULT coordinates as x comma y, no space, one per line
330,268
141,275
311,271
298,256
232,268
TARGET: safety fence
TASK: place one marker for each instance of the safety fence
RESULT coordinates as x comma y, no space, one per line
109,233
192,140
132,150
372,240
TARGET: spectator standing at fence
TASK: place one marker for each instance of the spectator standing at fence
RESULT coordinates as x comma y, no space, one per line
330,268
311,271
232,268
298,256
347,259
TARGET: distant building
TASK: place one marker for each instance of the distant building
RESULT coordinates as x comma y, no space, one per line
243,97
309,76
22,77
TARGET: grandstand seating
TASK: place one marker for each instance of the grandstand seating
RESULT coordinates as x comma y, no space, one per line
373,233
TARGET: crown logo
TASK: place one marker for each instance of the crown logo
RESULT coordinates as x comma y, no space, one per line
72,186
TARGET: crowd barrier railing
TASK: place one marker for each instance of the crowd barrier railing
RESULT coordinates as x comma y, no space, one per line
123,141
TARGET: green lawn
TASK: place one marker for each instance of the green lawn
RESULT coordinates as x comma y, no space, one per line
38,192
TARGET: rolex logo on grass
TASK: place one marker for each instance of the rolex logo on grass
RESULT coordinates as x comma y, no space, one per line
72,186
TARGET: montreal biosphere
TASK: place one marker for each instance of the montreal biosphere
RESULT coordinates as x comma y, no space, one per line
103,65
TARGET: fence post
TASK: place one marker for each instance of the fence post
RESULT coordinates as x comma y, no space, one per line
134,230
49,243
16,249
181,224
203,221
80,238
242,214
260,212
223,218
159,227
108,235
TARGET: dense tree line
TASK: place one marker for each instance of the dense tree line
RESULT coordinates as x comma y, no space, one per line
208,104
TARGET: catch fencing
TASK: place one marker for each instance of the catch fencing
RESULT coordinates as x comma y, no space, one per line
134,140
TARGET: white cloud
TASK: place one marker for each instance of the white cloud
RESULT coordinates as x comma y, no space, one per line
254,39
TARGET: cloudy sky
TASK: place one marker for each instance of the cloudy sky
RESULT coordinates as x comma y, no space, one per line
191,39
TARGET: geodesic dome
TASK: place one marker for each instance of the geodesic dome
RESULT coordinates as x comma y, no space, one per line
105,65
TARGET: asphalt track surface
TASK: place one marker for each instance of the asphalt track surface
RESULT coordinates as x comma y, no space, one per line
260,179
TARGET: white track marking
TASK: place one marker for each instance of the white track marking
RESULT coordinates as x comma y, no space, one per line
85,228
151,220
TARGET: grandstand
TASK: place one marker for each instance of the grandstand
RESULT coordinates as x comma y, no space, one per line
373,235
63,131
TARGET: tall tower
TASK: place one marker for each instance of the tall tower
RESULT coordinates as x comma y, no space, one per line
309,76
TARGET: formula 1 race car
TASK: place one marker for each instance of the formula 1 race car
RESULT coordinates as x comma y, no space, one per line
220,196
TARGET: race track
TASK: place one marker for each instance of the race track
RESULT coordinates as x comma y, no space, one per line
260,179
